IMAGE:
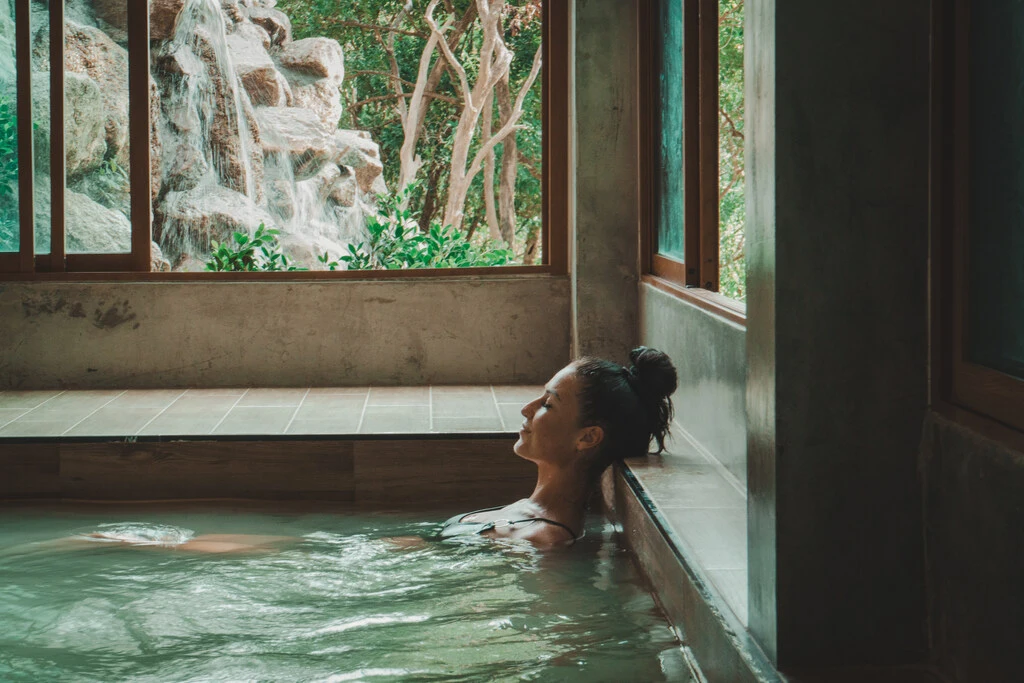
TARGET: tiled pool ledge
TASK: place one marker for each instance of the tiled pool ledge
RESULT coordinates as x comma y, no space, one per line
264,412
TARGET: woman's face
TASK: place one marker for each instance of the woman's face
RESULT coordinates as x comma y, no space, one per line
551,431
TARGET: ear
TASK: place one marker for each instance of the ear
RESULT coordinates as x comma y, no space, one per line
589,437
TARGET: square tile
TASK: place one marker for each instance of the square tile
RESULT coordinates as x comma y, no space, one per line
511,416
448,425
330,391
454,405
733,585
718,537
71,406
194,393
694,486
331,407
395,420
37,428
201,406
346,424
168,424
462,391
520,394
256,420
146,398
272,398
24,400
114,421
7,416
399,396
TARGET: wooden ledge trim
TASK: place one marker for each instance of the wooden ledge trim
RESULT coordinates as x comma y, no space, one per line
713,302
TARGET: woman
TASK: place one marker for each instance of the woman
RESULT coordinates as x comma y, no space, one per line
593,412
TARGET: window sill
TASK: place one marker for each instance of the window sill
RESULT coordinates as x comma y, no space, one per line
713,302
290,277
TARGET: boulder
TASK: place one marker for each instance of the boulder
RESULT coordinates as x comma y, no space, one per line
281,199
260,78
232,11
277,24
89,52
110,188
297,133
316,57
84,125
321,97
355,150
187,221
157,262
186,167
93,228
232,133
163,18
250,31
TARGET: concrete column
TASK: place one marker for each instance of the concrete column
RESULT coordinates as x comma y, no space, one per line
837,159
604,249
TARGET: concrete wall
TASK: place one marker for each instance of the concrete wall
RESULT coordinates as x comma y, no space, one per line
710,357
974,517
161,334
605,248
837,239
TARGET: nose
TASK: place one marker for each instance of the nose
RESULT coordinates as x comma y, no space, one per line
530,408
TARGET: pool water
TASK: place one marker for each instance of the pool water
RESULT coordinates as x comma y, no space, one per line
340,602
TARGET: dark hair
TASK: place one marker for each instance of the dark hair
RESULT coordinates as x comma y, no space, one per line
632,404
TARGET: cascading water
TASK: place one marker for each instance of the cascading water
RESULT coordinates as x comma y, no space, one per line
228,166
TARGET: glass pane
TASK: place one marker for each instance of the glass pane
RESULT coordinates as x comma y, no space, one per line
995,324
40,26
98,201
671,148
9,235
257,124
732,211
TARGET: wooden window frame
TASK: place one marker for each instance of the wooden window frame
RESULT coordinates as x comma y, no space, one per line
25,265
958,385
696,277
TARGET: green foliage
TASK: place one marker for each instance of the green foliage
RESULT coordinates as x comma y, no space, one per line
369,99
395,242
9,237
259,253
111,168
8,149
732,202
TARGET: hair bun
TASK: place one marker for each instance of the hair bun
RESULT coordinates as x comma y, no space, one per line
656,376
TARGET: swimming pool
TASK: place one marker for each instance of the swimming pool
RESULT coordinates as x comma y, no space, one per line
341,602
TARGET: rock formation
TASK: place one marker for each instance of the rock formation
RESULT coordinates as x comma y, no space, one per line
245,131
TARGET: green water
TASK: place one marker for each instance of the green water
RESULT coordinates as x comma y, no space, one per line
339,603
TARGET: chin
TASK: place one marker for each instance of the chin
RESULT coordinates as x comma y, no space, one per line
520,448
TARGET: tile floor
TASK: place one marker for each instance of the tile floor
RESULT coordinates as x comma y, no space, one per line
706,507
262,412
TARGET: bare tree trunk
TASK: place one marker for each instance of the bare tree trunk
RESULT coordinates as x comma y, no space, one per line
487,128
494,62
530,250
430,196
509,167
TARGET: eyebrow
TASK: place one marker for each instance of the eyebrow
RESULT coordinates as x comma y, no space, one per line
553,393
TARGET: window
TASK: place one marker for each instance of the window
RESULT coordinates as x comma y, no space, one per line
199,134
692,134
978,138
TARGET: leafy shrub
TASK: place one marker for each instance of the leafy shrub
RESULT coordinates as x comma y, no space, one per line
259,253
395,242
8,149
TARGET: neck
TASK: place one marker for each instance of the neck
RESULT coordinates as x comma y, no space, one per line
562,493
